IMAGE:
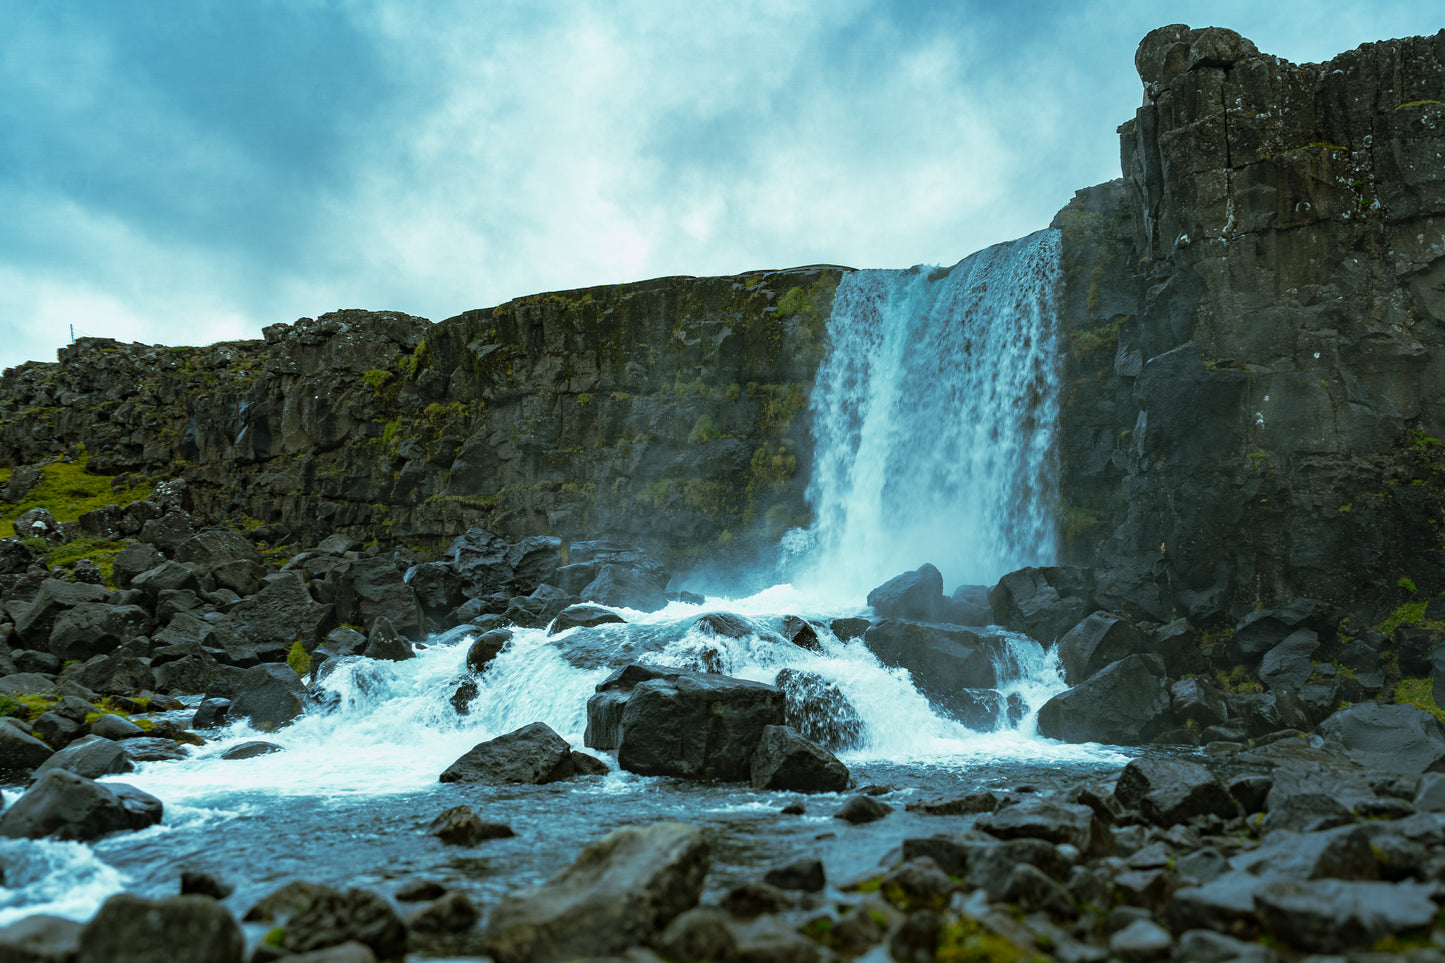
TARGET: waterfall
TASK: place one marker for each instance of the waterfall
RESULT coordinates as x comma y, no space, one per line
934,415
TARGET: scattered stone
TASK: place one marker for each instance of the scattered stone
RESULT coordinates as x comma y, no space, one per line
63,805
252,749
621,891
40,939
91,757
331,918
533,754
182,929
459,826
787,760
802,874
197,883
862,809
452,913
268,696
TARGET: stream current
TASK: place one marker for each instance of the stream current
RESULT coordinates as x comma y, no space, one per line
348,800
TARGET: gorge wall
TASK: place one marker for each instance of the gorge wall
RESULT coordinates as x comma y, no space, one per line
669,412
1253,389
1256,316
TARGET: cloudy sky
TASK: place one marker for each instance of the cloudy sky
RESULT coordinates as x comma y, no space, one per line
181,173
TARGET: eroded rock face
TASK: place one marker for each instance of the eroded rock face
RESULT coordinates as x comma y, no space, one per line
640,411
1254,318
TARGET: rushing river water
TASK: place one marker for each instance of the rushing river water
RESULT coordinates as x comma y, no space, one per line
349,798
934,412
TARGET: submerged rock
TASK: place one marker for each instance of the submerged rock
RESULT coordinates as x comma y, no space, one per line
533,754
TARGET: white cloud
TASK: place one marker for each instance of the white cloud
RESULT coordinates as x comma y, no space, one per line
522,147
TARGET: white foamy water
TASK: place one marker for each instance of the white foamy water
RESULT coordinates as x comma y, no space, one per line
934,414
392,729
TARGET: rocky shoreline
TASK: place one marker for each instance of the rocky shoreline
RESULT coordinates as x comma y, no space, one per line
1309,821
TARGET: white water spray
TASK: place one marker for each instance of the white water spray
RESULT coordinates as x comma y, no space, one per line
934,416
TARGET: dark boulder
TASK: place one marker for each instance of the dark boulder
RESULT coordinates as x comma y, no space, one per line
438,587
538,609
1095,642
227,556
20,752
1197,701
480,559
1263,629
372,587
801,633
1125,704
1169,791
135,558
818,709
786,760
940,658
698,726
916,596
1398,738
384,642
180,929
633,580
95,628
724,624
40,939
621,892
63,805
1051,820
1332,915
1042,603
804,874
1288,665
845,630
459,826
533,561
487,647
91,757
533,754
279,614
34,625
330,918
862,809
583,615
118,673
968,605
268,696
250,750
168,576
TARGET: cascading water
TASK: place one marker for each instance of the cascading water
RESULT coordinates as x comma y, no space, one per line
934,414
934,417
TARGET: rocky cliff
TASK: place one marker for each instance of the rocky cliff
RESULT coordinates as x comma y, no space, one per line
1256,332
669,412
1254,318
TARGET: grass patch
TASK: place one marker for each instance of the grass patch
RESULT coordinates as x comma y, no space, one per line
68,492
1409,613
299,659
964,940
100,551
1420,693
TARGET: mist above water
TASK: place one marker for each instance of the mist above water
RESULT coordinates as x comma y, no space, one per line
934,417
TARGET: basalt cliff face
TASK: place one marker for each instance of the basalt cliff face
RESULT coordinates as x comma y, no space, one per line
1254,321
1256,332
669,412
